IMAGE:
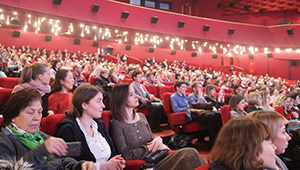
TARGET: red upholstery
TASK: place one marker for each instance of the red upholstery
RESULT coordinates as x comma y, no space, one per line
9,82
127,80
163,89
225,114
86,75
177,119
279,109
203,167
189,90
92,80
4,96
246,107
151,89
146,112
169,83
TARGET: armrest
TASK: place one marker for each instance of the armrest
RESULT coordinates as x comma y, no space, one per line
134,164
177,118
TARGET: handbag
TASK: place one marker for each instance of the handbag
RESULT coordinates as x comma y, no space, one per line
157,156
180,140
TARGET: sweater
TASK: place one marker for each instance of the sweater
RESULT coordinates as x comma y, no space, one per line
13,148
70,131
59,103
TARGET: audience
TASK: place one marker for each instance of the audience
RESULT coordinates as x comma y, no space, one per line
132,134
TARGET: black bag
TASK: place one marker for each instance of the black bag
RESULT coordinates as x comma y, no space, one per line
180,140
157,156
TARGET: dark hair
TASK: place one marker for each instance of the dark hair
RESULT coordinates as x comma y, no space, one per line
195,83
54,63
293,95
83,94
236,150
234,101
31,72
56,84
135,73
17,102
178,84
118,100
208,88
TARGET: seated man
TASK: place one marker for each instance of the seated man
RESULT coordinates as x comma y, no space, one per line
180,103
197,95
78,77
150,79
104,82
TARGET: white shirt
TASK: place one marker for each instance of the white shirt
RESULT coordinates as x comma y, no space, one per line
97,144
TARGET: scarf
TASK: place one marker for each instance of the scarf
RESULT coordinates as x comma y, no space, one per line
28,139
41,88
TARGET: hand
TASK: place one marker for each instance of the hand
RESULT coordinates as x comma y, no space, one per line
117,162
88,166
164,147
144,101
50,112
155,144
57,146
152,98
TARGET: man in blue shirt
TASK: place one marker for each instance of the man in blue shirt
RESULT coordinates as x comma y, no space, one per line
180,103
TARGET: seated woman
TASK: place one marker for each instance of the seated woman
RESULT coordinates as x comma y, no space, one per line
284,101
265,100
234,150
254,101
21,138
148,101
280,137
60,100
133,138
82,124
37,76
210,96
237,104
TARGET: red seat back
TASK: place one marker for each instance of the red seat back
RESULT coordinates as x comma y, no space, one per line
168,83
4,96
9,82
151,89
203,167
279,109
225,113
92,79
163,89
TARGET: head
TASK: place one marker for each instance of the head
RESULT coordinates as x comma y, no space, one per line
77,68
295,98
282,100
197,87
56,64
210,90
87,99
294,88
180,87
265,99
150,77
104,73
254,99
114,78
63,80
24,108
136,76
237,103
122,97
236,150
238,89
38,71
276,123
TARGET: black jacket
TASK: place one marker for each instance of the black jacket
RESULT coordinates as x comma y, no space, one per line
252,108
69,130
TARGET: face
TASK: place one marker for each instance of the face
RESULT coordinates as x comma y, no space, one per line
239,90
259,100
181,89
213,92
281,140
68,82
241,105
268,154
58,65
94,107
198,89
115,79
138,78
105,74
30,117
297,101
132,99
45,77
287,103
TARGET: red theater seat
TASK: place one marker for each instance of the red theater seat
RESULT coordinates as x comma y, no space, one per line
4,96
9,82
203,167
178,119
279,109
225,114
92,80
168,83
161,90
152,89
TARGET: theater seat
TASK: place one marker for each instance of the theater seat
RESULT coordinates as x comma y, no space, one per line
151,89
92,80
177,120
4,96
203,167
225,114
279,109
9,82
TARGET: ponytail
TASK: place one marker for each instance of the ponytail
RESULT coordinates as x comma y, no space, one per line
26,75
32,71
